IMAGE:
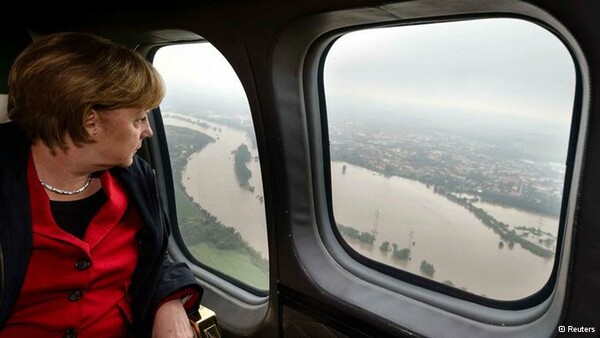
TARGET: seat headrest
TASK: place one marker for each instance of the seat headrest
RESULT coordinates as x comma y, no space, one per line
3,106
10,46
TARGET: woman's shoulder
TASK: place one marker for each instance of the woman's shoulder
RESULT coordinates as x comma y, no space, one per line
140,169
141,165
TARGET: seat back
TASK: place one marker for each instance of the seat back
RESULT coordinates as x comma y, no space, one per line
11,45
3,112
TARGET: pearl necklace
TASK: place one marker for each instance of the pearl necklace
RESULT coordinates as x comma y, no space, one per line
67,192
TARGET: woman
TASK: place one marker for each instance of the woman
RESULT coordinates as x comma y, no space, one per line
83,237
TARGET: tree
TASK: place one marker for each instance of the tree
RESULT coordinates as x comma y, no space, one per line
385,246
401,254
242,157
427,268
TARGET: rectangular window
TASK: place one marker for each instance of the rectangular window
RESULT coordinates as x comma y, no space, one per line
448,145
214,159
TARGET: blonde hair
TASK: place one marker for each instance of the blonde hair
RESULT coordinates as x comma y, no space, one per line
58,79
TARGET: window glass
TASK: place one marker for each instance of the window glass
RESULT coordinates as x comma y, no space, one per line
214,158
448,145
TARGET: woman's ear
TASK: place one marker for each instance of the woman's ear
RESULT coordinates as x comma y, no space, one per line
91,122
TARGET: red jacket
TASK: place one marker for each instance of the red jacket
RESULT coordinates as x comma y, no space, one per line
74,285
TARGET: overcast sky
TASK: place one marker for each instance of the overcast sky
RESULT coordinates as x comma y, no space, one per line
507,67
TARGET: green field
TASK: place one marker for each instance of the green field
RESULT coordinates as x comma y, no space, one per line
234,264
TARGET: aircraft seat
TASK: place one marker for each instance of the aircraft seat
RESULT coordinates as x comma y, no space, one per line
3,112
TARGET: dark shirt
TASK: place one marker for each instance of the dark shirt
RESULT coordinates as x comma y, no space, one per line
74,216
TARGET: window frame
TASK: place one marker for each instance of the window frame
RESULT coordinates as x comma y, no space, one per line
325,262
239,309
173,216
412,278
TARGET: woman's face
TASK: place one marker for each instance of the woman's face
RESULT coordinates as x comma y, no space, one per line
121,132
